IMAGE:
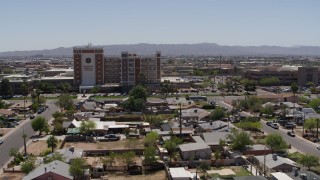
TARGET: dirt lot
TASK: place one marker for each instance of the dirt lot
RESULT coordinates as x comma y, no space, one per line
160,175
4,131
37,147
122,144
12,176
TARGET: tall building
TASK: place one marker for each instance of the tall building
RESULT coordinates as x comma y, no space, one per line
88,66
92,68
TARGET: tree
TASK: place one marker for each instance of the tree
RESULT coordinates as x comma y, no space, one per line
218,114
39,124
6,88
204,167
310,124
110,159
24,89
309,161
171,145
268,110
139,92
197,72
167,87
153,120
128,157
77,167
28,165
87,126
53,157
269,81
249,85
52,143
65,102
276,142
149,155
95,90
151,138
294,89
24,136
239,140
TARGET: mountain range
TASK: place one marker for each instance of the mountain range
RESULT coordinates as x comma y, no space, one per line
181,49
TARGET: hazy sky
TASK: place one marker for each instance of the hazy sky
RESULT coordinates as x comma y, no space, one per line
45,24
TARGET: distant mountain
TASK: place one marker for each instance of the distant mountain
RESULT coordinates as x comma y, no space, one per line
181,49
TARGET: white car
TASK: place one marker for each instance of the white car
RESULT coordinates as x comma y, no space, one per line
35,140
318,147
1,141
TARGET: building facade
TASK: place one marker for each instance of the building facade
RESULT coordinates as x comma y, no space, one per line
88,66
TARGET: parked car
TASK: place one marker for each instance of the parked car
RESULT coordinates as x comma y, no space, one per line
32,116
1,141
269,123
112,137
35,140
318,147
289,125
275,126
292,134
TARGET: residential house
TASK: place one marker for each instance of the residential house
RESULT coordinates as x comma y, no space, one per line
88,106
273,163
195,114
180,173
280,176
56,170
257,150
197,150
212,139
70,153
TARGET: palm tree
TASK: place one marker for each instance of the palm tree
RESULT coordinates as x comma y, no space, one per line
52,142
24,136
24,88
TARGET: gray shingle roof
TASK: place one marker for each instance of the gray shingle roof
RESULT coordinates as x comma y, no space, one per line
214,137
271,163
56,167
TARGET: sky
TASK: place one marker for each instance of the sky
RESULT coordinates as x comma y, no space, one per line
48,24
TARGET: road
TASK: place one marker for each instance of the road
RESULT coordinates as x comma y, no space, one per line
14,138
297,142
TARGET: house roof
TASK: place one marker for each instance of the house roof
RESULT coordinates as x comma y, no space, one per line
195,112
89,106
281,176
271,163
180,172
193,147
212,138
56,167
69,154
250,178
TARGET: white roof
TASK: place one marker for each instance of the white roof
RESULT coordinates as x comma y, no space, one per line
180,172
281,176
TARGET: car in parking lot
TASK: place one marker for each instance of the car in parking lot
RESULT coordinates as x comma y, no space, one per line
112,137
292,134
274,126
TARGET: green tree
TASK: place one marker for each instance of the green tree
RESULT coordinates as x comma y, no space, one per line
249,85
6,88
239,140
128,157
39,124
53,157
149,155
204,167
310,124
87,126
197,72
171,145
139,92
218,114
151,138
77,167
28,165
268,110
276,142
167,87
309,161
65,102
269,81
294,89
52,143
24,137
153,120
110,159
314,103
95,90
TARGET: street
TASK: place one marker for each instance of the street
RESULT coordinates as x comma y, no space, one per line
297,142
14,138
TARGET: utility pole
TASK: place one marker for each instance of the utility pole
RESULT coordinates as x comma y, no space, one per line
180,116
318,130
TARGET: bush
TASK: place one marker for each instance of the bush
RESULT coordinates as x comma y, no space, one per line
208,106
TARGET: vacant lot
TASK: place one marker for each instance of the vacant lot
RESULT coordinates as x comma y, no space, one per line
160,175
12,176
122,144
4,131
36,148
